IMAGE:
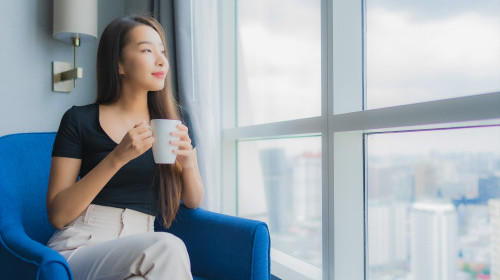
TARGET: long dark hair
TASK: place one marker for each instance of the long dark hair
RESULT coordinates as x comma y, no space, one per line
161,103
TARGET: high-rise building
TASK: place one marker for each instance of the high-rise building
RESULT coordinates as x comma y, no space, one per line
379,235
387,234
494,205
380,181
277,176
434,236
307,186
489,187
425,182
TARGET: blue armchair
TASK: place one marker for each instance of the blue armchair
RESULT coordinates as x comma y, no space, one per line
220,246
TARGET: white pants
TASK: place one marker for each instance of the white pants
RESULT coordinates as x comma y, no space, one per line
114,243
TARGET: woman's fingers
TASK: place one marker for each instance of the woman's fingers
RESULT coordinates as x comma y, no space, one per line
183,152
145,134
140,137
135,142
186,154
142,130
141,127
183,136
141,124
182,127
149,142
182,144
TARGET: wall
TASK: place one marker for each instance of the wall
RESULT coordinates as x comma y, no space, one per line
27,49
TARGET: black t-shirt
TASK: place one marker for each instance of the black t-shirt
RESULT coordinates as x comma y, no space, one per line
81,136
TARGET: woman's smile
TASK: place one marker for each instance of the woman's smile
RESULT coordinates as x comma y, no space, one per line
159,74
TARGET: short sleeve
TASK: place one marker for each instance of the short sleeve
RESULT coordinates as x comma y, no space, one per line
68,141
186,119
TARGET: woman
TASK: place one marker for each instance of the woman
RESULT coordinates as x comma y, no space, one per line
105,219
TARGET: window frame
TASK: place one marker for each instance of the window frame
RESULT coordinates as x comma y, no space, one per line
343,124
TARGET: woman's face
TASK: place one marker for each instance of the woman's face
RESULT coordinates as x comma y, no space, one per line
143,64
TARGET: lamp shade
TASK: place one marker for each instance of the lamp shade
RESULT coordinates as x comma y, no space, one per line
75,17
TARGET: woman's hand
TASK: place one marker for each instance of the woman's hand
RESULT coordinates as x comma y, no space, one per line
185,154
135,142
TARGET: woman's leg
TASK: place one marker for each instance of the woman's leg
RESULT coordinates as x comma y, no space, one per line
155,255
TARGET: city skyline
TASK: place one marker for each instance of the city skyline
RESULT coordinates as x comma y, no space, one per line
467,181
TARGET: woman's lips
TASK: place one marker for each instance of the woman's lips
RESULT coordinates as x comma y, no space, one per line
159,74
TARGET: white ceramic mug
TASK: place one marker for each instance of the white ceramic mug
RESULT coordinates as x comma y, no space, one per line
162,149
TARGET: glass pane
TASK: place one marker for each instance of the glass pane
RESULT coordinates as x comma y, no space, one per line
279,60
279,182
428,50
434,204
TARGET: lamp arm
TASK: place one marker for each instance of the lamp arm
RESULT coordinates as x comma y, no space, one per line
76,44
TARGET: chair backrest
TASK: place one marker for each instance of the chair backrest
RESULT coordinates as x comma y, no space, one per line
24,175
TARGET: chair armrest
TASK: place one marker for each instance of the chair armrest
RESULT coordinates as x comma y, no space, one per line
23,258
222,246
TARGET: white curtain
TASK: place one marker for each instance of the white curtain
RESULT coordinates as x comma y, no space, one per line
197,55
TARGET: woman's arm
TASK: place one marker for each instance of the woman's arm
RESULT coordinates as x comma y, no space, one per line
67,198
192,189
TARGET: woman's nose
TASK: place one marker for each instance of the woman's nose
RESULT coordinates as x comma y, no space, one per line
161,60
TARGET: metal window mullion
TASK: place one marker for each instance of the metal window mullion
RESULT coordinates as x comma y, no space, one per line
483,108
440,113
346,160
327,139
272,130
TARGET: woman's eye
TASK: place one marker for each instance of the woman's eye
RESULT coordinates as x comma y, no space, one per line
146,50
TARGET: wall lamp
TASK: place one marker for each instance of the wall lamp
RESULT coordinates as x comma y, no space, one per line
75,22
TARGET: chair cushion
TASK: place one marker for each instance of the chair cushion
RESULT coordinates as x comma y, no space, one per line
24,169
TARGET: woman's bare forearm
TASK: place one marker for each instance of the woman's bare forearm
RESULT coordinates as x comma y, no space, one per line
192,190
71,201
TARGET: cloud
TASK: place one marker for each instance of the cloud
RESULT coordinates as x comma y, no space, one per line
410,61
424,10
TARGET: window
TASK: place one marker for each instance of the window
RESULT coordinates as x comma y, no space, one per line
278,60
348,120
279,182
278,171
429,200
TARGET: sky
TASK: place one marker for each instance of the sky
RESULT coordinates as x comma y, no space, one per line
420,51
415,51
